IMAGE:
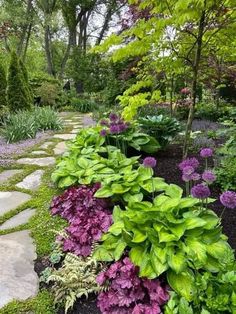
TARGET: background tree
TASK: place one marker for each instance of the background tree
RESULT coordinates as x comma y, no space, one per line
3,87
17,93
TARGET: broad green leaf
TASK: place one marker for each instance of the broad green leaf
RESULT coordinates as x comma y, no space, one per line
177,261
178,229
116,228
194,222
183,284
119,189
188,202
83,162
146,269
67,181
157,265
219,250
101,254
104,192
174,191
133,198
116,215
136,255
184,307
138,236
198,248
121,245
165,236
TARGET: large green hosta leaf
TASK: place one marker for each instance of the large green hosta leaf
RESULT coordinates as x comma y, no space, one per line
183,283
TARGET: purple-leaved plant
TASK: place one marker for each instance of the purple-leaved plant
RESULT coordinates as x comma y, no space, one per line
128,293
89,217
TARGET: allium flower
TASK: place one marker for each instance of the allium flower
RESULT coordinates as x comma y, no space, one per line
188,170
201,191
113,117
186,177
206,152
195,176
114,129
103,132
149,162
208,176
189,162
228,199
104,122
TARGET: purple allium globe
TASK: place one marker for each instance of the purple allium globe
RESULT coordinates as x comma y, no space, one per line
208,176
188,170
206,152
113,117
195,176
189,162
149,162
103,132
114,129
104,122
186,178
228,199
200,191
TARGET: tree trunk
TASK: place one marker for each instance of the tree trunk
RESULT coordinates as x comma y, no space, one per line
194,82
48,50
27,42
171,95
70,45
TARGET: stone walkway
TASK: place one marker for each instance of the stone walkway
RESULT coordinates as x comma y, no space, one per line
18,279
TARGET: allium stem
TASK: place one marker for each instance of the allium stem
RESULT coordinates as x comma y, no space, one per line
222,213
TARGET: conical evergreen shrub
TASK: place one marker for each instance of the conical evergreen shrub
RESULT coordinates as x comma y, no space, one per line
26,81
3,87
17,93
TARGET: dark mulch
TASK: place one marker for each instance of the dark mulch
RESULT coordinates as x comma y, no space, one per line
167,167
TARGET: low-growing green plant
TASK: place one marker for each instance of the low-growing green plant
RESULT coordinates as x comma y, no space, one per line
19,126
83,105
173,235
49,93
226,173
47,119
216,293
162,128
76,278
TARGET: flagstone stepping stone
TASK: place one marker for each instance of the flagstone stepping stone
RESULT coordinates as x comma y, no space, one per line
18,279
11,200
32,181
41,161
46,145
7,174
19,219
65,136
75,131
68,120
60,148
39,152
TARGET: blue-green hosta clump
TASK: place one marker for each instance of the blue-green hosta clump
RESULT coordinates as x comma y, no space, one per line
171,235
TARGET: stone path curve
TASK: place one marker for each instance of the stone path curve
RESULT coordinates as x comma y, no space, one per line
18,279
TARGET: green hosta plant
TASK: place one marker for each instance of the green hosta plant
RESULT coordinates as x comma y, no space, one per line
216,293
162,128
76,278
172,234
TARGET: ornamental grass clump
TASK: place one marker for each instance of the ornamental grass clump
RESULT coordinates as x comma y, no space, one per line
88,218
128,293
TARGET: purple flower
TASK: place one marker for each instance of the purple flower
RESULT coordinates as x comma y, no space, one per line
208,176
149,162
192,162
188,170
104,122
114,129
186,177
201,191
206,152
103,132
228,199
113,117
195,176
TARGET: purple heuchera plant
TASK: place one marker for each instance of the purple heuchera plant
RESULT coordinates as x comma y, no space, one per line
89,217
128,293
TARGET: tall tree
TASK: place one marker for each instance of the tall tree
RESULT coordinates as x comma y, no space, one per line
3,87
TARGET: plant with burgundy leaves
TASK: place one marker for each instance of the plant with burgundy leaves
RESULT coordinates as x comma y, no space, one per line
88,218
128,293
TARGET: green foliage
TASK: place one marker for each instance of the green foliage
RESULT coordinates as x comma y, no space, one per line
49,93
216,293
226,173
211,112
17,91
173,235
47,118
19,126
161,127
76,278
27,87
3,88
25,124
83,105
